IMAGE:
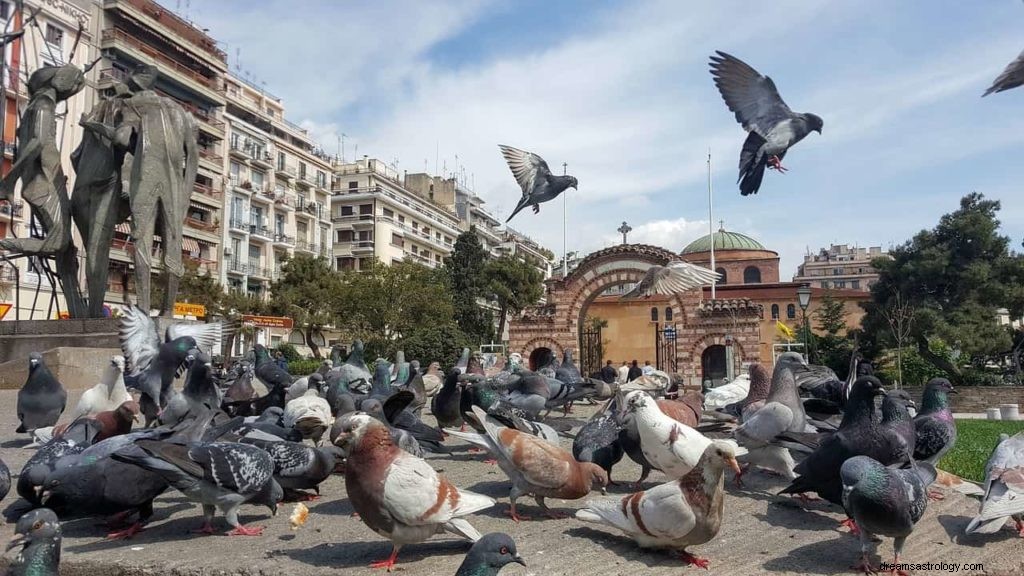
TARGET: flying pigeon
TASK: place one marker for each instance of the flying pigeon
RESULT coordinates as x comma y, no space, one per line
108,394
217,475
773,128
397,494
1004,488
38,534
489,555
673,278
884,501
535,467
678,514
535,178
42,399
1011,77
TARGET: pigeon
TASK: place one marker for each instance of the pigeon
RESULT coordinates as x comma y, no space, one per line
433,378
200,391
760,428
1011,77
38,533
310,415
446,404
217,475
532,174
534,466
598,442
760,385
5,479
670,446
241,387
677,514
397,494
417,386
396,412
773,128
272,375
118,421
567,372
299,467
42,399
78,436
629,439
154,363
673,278
108,394
463,362
400,369
933,425
884,501
489,555
297,389
1004,488
402,438
353,373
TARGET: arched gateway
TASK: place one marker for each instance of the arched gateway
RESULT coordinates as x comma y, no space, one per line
695,323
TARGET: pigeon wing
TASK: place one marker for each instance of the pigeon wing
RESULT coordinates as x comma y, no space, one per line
236,467
751,96
527,167
140,340
207,336
1004,486
1011,77
415,494
676,277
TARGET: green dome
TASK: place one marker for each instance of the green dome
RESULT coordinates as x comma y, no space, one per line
723,241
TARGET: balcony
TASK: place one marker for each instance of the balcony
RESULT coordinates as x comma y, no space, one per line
207,191
284,200
198,224
305,180
362,247
440,217
257,271
305,246
237,267
261,232
284,240
174,23
236,150
8,274
262,195
15,209
239,225
262,159
118,39
286,172
213,160
203,265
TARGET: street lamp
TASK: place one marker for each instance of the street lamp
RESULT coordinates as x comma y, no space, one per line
803,297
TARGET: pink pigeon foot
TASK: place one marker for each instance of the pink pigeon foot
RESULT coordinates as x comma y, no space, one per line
515,515
118,519
246,531
694,560
389,563
935,495
852,525
475,450
738,478
127,533
776,164
206,529
491,461
307,497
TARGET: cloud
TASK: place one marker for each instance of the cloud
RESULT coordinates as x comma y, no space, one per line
672,234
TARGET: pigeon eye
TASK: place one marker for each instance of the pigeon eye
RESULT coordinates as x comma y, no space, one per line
503,551
37,525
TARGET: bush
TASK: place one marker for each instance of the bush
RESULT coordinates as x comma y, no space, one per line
303,367
289,352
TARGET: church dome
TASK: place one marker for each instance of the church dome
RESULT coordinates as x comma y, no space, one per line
724,240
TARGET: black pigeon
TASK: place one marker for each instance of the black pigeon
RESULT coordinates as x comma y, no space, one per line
415,385
489,555
773,128
78,436
298,466
221,475
272,375
934,426
241,385
42,399
884,501
39,535
1011,77
598,442
397,413
539,185
446,405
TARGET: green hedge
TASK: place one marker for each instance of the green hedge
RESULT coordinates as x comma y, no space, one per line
303,367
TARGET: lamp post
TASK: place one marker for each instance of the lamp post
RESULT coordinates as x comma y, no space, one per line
803,297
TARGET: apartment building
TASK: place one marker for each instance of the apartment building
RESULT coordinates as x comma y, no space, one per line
840,266
277,190
49,41
376,215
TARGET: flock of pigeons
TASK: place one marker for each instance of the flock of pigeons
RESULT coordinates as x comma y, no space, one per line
223,442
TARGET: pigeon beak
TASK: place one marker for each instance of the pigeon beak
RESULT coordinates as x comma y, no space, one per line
20,539
519,560
135,418
953,391
734,465
604,492
44,497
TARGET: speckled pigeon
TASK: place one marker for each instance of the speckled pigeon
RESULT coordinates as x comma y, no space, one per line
217,475
773,128
42,399
489,555
884,501
5,479
1004,488
38,533
534,177
598,442
298,466
78,436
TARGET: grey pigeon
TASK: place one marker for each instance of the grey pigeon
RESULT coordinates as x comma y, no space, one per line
1011,77
42,399
489,555
298,466
934,426
221,475
759,430
1004,488
884,501
534,177
400,369
5,479
415,385
38,533
353,373
272,375
773,128
78,436
446,404
598,442
241,386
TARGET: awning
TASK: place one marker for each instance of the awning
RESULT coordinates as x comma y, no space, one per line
124,228
199,206
189,245
206,243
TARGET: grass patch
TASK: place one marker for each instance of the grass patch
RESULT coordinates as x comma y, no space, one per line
975,440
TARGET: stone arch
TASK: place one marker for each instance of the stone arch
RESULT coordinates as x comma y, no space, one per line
545,342
718,338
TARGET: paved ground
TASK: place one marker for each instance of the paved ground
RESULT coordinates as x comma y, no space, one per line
762,534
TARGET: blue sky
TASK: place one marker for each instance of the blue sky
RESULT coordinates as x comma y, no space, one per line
621,92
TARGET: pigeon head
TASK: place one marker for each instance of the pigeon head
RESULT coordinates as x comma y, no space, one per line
854,469
791,359
867,386
128,411
636,400
721,455
814,122
350,429
34,359
936,395
36,525
494,551
903,397
270,496
598,476
117,362
573,183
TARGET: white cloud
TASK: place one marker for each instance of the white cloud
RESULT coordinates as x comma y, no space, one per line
672,234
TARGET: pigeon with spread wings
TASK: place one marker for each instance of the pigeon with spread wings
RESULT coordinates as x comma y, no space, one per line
673,278
535,178
1011,77
773,128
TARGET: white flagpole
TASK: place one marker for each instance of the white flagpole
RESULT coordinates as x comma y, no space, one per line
711,223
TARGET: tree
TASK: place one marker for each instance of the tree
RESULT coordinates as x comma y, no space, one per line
832,344
954,278
195,287
514,285
899,315
465,270
308,291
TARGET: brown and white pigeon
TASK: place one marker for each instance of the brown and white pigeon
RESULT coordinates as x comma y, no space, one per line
398,495
677,514
534,466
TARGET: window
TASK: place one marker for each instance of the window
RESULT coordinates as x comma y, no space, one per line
258,179
366,208
837,271
353,184
790,311
346,211
654,314
235,173
751,275
344,235
279,224
302,171
365,236
54,36
855,284
825,284
840,283
321,179
256,217
346,263
668,314
401,219
397,240
775,311
724,279
388,213
5,10
280,161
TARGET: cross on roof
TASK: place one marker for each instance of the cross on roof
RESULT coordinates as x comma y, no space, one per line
624,229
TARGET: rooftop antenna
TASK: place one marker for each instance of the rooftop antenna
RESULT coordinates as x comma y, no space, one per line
437,153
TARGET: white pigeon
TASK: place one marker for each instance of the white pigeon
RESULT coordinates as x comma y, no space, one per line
1004,488
676,514
309,414
107,395
674,278
669,445
722,396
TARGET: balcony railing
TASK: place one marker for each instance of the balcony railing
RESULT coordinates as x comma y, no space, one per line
239,224
209,154
8,273
122,36
237,266
450,225
200,224
305,245
258,230
203,264
8,208
284,239
180,27
206,190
